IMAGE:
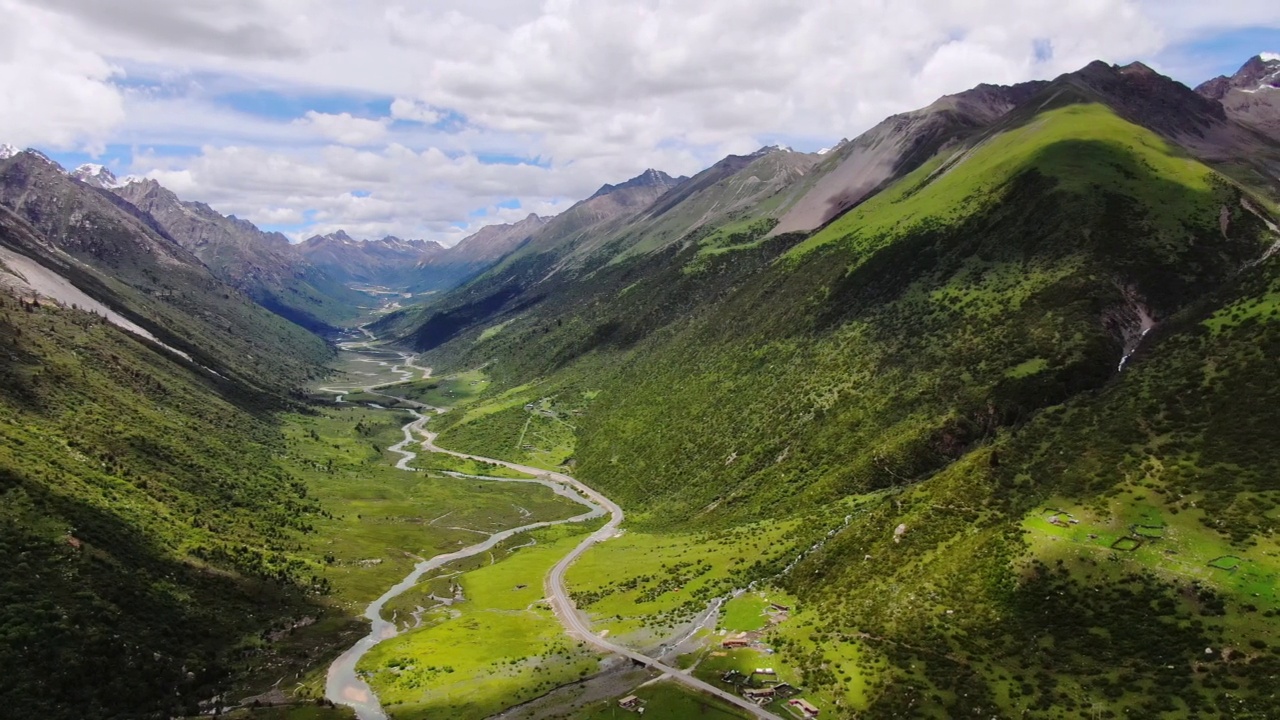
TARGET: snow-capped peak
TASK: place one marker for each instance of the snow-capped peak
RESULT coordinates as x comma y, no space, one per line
824,151
98,176
770,149
1269,57
7,151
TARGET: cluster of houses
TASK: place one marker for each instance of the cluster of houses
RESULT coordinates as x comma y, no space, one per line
763,686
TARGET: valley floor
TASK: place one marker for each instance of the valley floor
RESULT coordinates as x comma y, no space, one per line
478,637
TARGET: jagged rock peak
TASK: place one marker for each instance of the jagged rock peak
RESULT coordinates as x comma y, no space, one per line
648,178
1260,73
100,177
35,155
771,149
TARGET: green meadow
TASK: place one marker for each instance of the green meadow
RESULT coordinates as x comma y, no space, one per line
448,391
377,522
640,587
499,646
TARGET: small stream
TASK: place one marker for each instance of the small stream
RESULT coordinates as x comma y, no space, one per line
343,685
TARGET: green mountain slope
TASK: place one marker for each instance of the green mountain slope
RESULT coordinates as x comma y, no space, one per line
145,523
1045,323
115,253
149,532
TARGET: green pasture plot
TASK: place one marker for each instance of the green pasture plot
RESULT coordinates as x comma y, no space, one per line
492,331
344,436
380,520
498,648
1027,368
1126,544
664,700
1148,532
639,586
1262,308
744,613
717,663
515,397
1150,536
746,661
1230,563
831,673
443,462
522,428
448,391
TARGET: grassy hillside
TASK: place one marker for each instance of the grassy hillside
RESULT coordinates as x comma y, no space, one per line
146,526
175,538
952,349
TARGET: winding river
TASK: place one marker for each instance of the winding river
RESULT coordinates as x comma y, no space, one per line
343,686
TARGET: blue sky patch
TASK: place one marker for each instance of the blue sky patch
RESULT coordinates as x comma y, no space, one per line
275,105
1220,54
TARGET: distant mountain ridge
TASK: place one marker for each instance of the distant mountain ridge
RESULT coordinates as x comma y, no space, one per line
122,256
1252,94
386,261
261,264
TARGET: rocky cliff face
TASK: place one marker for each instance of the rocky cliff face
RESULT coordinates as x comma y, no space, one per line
1252,95
855,170
261,264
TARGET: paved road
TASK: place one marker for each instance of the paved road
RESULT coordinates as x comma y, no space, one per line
558,594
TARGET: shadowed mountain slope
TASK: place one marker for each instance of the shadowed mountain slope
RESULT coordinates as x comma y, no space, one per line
262,265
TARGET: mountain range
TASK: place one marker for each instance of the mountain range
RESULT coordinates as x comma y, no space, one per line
993,345
1000,373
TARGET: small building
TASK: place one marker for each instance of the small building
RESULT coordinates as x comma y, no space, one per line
631,702
785,690
737,641
760,695
780,607
804,707
769,672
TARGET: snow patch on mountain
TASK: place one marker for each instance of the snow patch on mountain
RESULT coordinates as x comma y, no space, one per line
99,176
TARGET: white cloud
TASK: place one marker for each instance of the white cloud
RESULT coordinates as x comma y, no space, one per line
594,92
344,128
402,109
52,92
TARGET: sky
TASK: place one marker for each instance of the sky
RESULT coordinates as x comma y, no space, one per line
431,119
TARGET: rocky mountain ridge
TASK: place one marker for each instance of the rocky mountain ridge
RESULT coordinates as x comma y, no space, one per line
1252,95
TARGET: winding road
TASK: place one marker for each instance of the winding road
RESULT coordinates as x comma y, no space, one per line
346,688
